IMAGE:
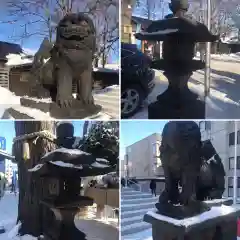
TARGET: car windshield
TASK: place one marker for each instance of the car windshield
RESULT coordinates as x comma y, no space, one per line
129,50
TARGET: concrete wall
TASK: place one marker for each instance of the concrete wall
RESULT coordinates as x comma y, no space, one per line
142,157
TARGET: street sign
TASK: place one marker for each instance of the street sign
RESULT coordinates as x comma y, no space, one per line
2,143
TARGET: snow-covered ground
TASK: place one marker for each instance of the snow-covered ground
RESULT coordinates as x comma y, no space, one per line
223,57
108,98
224,99
94,229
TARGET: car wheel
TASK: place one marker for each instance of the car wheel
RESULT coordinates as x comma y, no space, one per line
131,100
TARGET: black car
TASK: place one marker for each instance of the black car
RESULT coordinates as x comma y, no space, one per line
137,79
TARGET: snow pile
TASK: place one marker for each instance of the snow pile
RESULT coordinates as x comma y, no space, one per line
106,89
226,57
71,158
112,66
8,99
18,59
67,165
223,57
108,98
232,37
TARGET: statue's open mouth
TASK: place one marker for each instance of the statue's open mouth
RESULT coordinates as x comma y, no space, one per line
76,31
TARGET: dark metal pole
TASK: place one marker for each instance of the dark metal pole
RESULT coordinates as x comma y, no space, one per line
208,54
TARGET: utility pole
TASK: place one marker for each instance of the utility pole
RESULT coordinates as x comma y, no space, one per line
208,54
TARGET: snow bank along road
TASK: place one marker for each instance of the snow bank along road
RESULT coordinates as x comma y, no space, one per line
224,99
108,98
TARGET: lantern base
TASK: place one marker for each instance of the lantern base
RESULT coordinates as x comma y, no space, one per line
176,104
63,225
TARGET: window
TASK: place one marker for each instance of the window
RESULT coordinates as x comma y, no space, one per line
231,162
238,137
158,144
207,125
155,150
156,153
230,187
202,125
231,138
24,77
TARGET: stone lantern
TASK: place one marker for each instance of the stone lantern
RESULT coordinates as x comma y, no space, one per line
60,173
179,34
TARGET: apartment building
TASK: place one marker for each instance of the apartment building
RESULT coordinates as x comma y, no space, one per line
142,159
123,168
2,165
222,135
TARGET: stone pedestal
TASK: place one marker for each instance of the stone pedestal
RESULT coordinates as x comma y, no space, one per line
177,102
77,111
220,223
64,227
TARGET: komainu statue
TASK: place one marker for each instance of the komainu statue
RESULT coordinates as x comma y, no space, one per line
193,171
181,160
211,181
181,155
68,63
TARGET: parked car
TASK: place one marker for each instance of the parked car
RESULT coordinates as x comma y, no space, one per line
137,79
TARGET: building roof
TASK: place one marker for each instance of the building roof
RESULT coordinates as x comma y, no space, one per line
140,20
7,48
6,155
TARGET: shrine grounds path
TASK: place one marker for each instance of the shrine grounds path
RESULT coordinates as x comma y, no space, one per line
224,99
95,230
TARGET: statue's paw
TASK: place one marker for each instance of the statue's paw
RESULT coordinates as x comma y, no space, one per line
88,101
65,102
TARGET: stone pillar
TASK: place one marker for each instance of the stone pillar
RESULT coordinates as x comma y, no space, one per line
100,209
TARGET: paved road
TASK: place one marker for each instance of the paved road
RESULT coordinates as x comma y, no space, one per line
224,100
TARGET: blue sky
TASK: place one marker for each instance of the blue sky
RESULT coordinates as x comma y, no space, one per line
9,31
8,131
133,131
